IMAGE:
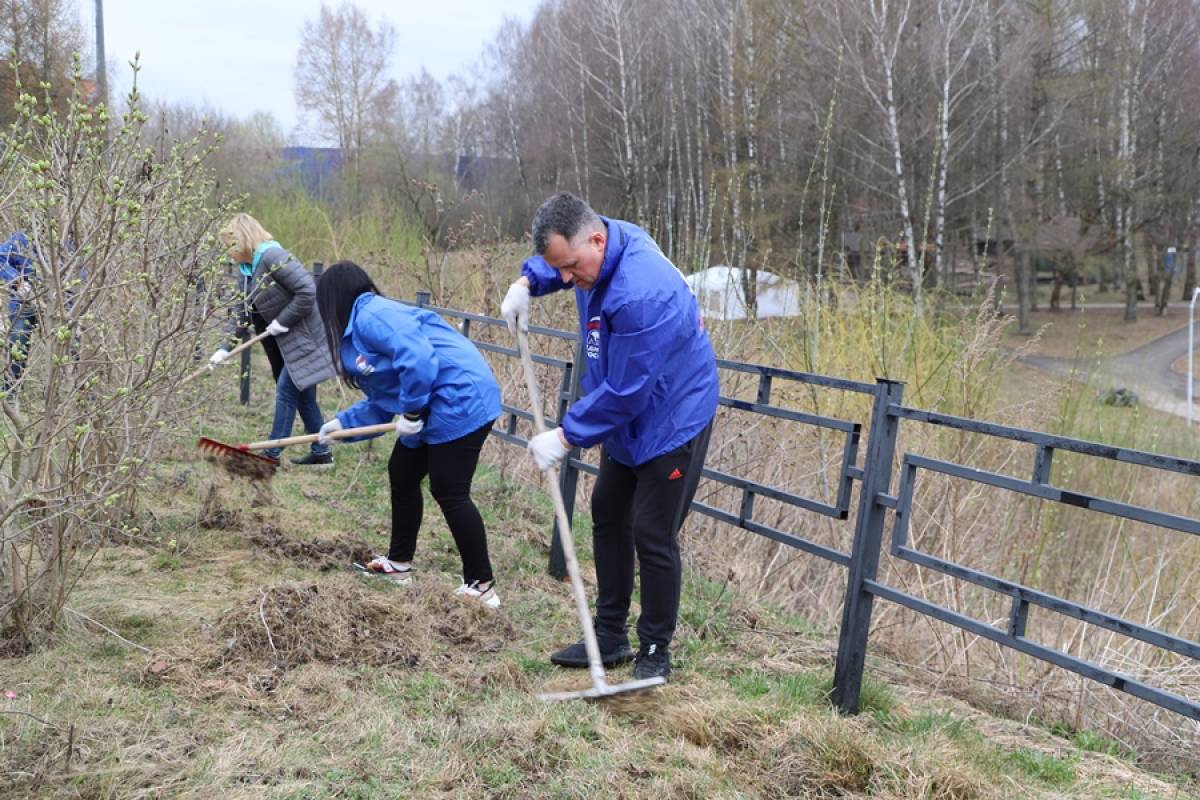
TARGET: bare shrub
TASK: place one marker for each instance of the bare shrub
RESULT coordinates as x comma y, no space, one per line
125,263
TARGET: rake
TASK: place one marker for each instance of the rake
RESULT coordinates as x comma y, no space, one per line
600,686
241,460
232,353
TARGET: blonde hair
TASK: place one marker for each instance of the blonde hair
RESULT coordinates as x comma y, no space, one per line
242,234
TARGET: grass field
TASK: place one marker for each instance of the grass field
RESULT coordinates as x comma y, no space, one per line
1093,332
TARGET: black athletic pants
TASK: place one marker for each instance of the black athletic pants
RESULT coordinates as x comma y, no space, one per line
274,356
451,468
641,509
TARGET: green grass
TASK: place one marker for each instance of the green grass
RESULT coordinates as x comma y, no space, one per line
1053,770
315,232
354,731
1092,742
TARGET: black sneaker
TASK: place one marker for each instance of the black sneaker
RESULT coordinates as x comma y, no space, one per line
318,461
613,652
653,661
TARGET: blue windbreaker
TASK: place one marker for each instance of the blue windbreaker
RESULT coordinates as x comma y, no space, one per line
651,376
15,264
409,360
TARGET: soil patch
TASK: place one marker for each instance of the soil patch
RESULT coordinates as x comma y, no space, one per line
214,516
323,554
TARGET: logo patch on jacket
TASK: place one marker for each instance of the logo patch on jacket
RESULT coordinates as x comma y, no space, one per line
363,366
592,344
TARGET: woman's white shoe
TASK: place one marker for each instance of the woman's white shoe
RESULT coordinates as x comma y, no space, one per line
486,596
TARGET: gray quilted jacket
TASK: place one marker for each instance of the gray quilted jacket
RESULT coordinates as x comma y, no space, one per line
282,289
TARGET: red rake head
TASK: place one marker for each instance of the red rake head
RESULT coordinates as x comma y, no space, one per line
237,460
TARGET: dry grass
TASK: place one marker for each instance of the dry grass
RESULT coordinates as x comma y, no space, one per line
270,677
1127,569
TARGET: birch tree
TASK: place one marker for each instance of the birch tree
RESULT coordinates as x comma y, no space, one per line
1132,51
881,29
342,84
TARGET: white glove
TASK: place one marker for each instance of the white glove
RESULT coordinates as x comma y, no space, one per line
24,289
548,449
332,426
218,358
408,427
515,307
275,328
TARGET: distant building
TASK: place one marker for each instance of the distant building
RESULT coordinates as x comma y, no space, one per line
315,168
474,173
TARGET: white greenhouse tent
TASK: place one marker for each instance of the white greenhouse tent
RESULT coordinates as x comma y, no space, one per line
719,292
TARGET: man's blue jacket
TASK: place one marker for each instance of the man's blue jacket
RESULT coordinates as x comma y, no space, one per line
409,360
651,375
16,263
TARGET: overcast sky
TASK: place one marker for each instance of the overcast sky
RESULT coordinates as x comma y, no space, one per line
238,56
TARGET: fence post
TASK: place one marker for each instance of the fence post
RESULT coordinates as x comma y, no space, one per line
318,268
868,541
423,299
566,475
243,335
244,375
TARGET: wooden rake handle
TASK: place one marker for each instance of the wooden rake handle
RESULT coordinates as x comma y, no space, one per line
206,368
595,666
309,438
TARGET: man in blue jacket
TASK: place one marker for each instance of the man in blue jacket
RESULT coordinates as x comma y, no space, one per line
650,383
16,271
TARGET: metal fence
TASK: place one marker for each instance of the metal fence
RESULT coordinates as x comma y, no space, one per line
877,505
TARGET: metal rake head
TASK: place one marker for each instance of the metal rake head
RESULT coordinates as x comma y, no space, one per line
237,460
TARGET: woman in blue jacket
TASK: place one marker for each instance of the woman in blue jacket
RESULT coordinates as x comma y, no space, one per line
413,366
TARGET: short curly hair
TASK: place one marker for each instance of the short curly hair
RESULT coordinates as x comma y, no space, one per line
564,214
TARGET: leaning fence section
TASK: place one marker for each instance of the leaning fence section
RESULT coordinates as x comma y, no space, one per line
878,507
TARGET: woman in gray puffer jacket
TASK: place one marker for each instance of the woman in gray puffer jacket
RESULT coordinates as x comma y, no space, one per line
279,296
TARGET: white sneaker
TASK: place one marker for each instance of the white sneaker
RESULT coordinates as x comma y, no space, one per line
488,596
384,567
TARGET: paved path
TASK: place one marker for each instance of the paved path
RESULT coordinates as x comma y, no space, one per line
1146,370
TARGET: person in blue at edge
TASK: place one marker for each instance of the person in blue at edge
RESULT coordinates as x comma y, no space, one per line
651,393
16,270
275,286
412,365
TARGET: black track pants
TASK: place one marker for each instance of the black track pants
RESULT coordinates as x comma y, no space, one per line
640,510
451,468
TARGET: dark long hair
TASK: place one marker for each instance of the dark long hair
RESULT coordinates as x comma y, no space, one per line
340,285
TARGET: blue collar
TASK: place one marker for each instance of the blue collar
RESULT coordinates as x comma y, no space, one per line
614,248
248,269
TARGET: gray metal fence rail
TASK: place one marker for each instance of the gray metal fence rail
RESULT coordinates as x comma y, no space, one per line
1022,597
876,504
